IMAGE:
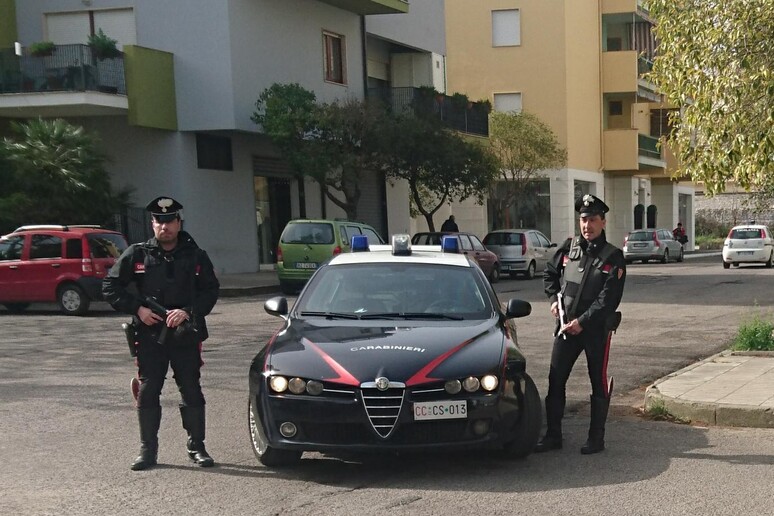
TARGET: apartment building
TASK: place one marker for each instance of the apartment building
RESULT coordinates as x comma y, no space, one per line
581,67
173,110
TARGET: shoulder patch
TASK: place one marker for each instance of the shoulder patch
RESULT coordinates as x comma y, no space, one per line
139,267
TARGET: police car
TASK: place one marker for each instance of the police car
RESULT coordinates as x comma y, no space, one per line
394,348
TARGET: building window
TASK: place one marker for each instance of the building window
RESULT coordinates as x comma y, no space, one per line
506,28
615,107
506,102
214,152
335,57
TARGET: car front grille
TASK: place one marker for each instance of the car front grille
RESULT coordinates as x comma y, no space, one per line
382,408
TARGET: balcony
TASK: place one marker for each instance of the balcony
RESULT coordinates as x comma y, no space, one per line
69,82
622,72
371,6
472,118
630,150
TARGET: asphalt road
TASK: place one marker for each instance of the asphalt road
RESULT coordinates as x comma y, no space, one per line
69,431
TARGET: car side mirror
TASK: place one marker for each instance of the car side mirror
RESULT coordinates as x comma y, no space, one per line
552,244
277,306
517,308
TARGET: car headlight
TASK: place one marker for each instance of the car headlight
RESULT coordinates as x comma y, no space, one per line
453,386
471,384
278,383
297,385
489,382
314,387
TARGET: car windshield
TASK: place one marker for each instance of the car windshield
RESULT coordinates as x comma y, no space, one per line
746,233
504,239
308,233
396,291
106,245
641,236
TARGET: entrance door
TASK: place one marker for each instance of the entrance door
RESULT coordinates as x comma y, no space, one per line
272,213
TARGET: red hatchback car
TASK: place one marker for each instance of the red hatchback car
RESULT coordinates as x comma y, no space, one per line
63,264
469,245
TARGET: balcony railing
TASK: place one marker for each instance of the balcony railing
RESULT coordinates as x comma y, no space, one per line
471,118
68,68
648,146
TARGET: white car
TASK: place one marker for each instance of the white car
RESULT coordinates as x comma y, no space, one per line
748,244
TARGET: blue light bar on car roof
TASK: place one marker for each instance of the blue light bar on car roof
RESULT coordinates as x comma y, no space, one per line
359,243
450,244
401,245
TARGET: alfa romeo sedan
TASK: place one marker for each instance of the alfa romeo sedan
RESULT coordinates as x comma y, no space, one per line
393,348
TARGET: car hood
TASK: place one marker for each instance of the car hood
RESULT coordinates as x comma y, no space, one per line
353,352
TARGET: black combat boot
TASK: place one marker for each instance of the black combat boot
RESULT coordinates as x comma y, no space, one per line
194,422
596,440
150,420
553,438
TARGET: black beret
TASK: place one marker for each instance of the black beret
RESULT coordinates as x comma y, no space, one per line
591,205
164,209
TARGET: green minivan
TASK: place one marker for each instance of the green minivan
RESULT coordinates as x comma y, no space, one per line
305,244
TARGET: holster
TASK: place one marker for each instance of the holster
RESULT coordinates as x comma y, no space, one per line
613,321
130,331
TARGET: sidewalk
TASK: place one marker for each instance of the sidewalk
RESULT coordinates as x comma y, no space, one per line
728,389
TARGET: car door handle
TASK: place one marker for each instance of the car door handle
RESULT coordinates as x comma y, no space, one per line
14,267
56,265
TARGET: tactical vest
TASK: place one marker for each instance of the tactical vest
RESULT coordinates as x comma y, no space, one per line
167,277
584,276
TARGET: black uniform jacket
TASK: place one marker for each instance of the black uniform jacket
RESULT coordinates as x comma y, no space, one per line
181,278
604,285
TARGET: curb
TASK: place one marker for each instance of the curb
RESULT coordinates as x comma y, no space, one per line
718,414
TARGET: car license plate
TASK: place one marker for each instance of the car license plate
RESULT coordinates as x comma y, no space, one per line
639,245
306,265
746,252
426,410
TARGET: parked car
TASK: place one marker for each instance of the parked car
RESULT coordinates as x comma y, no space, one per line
306,244
470,245
520,251
395,349
48,263
652,244
748,244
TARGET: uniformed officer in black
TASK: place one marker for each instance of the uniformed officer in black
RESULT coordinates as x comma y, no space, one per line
173,271
586,275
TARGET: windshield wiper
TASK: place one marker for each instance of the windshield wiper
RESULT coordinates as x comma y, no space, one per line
412,315
331,315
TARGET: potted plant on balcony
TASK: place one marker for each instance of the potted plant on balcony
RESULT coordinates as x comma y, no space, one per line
102,46
42,48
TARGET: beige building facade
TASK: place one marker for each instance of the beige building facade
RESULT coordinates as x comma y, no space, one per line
581,67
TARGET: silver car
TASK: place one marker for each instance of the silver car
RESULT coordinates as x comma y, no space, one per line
520,251
652,244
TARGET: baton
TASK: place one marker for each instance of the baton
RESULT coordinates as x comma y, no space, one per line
562,316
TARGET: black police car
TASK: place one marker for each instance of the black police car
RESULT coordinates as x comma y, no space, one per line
396,349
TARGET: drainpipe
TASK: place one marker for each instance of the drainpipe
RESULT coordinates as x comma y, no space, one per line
363,41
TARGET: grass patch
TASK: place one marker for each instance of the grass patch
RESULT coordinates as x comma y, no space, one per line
710,242
754,335
657,411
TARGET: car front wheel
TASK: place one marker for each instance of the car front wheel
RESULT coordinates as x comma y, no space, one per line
72,299
268,456
526,431
530,272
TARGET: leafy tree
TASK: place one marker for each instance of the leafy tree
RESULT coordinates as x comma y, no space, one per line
439,165
715,60
55,174
523,146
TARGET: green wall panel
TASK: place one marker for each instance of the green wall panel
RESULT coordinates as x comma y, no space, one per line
150,87
8,32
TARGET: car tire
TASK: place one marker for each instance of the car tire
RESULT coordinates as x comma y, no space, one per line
526,431
16,308
768,262
665,258
681,256
494,276
726,265
530,272
266,455
72,299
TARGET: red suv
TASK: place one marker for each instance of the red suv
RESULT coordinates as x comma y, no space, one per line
65,264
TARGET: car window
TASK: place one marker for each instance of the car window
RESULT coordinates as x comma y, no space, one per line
372,288
45,246
544,241
308,233
11,248
533,239
746,233
426,239
349,232
465,244
503,239
640,236
106,245
73,248
373,237
477,245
